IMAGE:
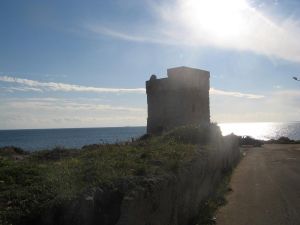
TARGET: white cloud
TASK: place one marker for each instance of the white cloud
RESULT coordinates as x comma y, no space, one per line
277,106
67,104
289,98
102,30
214,91
56,112
52,86
22,89
231,24
92,112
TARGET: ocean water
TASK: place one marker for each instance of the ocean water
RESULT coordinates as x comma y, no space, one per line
263,131
76,138
37,139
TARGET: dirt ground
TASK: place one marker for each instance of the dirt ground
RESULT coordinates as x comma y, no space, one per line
266,188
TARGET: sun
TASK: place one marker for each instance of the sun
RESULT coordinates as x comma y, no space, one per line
219,19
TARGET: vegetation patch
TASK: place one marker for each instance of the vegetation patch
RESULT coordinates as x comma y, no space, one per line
282,140
194,134
209,207
247,140
50,178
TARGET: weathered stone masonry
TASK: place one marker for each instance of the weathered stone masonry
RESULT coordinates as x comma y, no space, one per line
180,99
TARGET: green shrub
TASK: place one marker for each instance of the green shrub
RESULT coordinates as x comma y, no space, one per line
47,179
194,134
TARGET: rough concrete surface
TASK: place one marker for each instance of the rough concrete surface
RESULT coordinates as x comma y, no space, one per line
175,198
266,188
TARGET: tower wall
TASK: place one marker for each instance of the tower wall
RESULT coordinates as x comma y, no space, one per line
180,99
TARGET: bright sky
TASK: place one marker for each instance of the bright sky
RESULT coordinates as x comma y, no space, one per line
85,63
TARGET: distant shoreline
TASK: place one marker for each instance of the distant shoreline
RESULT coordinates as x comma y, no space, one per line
36,139
66,128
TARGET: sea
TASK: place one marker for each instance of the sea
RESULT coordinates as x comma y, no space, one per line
38,139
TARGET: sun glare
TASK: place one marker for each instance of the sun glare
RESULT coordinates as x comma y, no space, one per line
219,19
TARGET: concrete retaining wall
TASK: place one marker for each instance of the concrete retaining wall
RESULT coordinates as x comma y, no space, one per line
165,200
175,200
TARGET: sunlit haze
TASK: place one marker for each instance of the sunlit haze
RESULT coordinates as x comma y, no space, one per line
219,19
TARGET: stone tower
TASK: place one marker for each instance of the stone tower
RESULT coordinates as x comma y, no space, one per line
180,99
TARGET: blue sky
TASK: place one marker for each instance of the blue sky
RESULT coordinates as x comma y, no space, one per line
85,63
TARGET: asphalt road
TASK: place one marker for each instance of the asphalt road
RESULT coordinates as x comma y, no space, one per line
266,188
